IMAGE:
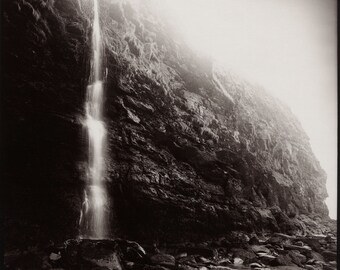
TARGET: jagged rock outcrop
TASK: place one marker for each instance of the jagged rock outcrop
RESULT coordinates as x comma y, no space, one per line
193,150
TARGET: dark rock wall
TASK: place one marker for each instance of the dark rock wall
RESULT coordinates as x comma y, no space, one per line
192,150
44,67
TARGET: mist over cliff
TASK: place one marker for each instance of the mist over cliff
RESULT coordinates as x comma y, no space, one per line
193,152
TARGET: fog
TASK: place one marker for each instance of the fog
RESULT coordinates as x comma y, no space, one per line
287,46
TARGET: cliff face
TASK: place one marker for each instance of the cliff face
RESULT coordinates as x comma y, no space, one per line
192,151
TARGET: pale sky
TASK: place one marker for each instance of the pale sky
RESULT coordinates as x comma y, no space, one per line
287,46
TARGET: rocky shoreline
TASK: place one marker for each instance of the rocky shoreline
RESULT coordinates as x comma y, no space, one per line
237,250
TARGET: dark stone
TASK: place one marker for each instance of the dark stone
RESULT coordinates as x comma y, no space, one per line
254,241
282,260
202,251
236,238
259,248
270,259
94,253
313,243
163,259
131,251
247,256
316,256
297,257
329,255
275,240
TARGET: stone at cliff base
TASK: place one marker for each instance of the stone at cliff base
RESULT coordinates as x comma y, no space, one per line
94,253
329,255
163,259
286,268
238,261
54,256
202,251
266,258
254,241
259,248
246,255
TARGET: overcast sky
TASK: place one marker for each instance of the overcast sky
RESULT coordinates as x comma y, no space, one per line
287,46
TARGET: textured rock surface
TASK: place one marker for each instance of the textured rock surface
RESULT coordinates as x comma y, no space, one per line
121,254
44,58
193,151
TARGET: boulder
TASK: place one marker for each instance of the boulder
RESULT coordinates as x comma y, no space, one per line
297,257
313,243
238,261
237,238
99,254
316,256
266,258
299,248
246,255
291,267
254,240
202,251
163,260
131,251
259,248
329,255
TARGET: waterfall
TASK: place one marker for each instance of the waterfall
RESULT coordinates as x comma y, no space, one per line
93,217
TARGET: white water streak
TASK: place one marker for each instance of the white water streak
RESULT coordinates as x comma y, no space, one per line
93,216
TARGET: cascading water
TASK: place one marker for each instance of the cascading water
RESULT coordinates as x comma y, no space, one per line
93,218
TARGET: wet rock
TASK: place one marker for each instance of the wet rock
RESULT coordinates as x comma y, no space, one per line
329,255
181,255
54,256
188,260
281,251
186,267
131,251
256,265
329,267
236,238
300,248
221,267
163,259
311,267
291,267
223,262
282,260
205,261
284,236
313,243
237,261
332,263
246,255
276,240
316,256
100,254
333,247
132,117
330,239
202,251
254,240
259,248
154,267
299,243
297,257
266,258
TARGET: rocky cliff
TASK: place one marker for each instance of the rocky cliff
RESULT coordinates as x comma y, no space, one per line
193,150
